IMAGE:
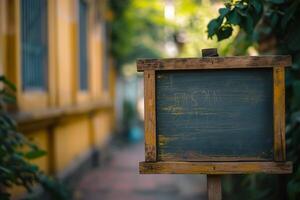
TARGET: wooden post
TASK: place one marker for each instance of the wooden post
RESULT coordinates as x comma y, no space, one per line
214,185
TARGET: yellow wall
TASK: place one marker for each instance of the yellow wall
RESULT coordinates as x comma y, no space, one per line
71,139
101,124
64,121
65,12
2,35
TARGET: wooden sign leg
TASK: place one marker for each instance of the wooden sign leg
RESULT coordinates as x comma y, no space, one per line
214,187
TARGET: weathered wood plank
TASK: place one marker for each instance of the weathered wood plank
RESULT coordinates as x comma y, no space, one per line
215,167
215,115
279,114
214,63
214,187
150,118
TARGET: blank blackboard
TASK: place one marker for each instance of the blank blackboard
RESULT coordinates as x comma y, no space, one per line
214,115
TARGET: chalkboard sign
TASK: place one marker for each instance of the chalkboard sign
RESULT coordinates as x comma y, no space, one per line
215,115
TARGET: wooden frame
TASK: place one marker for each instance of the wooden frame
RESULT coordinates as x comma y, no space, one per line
150,116
215,167
279,113
153,165
214,63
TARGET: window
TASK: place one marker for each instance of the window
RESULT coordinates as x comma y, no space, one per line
83,60
34,52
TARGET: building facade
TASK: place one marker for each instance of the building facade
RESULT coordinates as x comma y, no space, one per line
55,51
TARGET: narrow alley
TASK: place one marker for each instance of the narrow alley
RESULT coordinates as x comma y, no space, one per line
120,179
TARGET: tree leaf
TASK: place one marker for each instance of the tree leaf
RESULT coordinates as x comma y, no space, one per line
5,170
233,17
33,154
9,98
7,83
213,26
8,122
224,32
223,12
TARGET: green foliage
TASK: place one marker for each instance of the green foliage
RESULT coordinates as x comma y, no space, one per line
16,151
252,187
136,29
244,13
272,26
191,19
139,29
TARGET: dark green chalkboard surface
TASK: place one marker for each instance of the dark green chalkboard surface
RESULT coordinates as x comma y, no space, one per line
215,115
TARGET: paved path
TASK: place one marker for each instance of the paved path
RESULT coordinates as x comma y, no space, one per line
120,180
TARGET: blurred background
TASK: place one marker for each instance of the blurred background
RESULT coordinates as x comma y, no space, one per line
80,99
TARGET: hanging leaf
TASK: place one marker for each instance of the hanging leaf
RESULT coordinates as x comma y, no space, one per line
223,12
213,26
224,32
233,17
